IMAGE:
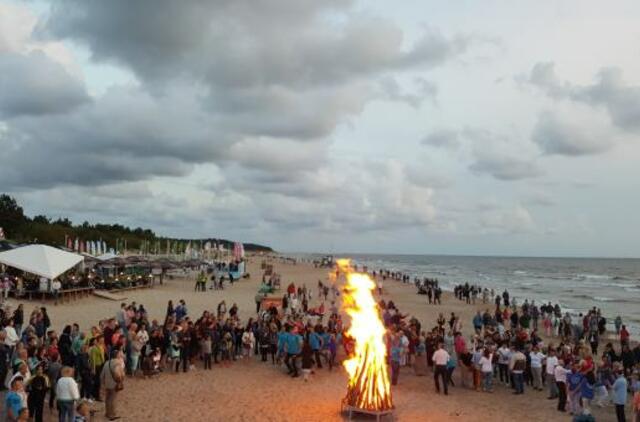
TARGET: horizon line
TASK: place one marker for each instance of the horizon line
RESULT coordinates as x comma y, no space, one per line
463,255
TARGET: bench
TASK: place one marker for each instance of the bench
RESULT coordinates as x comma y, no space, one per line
64,295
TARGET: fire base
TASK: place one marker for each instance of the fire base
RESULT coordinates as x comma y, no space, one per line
380,415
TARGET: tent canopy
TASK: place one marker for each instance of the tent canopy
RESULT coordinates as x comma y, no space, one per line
106,256
41,260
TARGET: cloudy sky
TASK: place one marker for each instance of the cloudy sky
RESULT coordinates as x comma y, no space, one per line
488,127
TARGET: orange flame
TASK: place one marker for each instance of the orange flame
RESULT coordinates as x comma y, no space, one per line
368,386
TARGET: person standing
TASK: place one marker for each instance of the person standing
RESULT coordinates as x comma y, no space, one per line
486,366
517,365
396,358
37,385
504,357
292,344
5,356
307,360
560,374
550,366
18,319
96,360
536,357
66,394
112,378
13,402
618,324
440,359
620,395
574,386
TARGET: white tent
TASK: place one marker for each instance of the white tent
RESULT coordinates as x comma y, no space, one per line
41,260
106,256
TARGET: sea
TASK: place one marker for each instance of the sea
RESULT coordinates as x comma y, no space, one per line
577,284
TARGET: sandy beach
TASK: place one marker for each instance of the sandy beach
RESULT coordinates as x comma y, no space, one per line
252,390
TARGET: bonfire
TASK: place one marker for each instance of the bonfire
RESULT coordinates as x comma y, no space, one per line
368,387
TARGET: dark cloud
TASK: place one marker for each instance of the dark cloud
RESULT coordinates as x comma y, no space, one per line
622,101
33,84
245,43
125,135
442,138
256,84
500,156
505,168
555,136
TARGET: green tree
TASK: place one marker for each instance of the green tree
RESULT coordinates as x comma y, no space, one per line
12,217
41,219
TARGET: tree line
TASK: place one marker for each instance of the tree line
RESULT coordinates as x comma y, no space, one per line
20,228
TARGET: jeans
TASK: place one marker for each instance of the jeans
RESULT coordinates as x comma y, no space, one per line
620,413
562,395
35,403
518,381
537,377
487,381
503,369
395,372
316,354
553,387
134,358
441,371
95,387
290,361
65,411
574,402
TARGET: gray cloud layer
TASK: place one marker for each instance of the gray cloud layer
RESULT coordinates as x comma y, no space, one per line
215,78
609,91
250,90
33,84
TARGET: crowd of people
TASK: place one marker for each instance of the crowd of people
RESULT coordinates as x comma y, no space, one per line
78,366
508,349
73,368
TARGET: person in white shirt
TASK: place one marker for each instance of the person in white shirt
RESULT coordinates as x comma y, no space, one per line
517,365
66,394
11,338
55,289
504,356
440,358
486,366
23,371
550,365
536,367
560,375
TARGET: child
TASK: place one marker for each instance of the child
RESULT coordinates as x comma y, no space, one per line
83,412
226,348
173,354
206,346
248,343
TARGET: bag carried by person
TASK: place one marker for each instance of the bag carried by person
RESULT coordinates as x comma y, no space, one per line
119,380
